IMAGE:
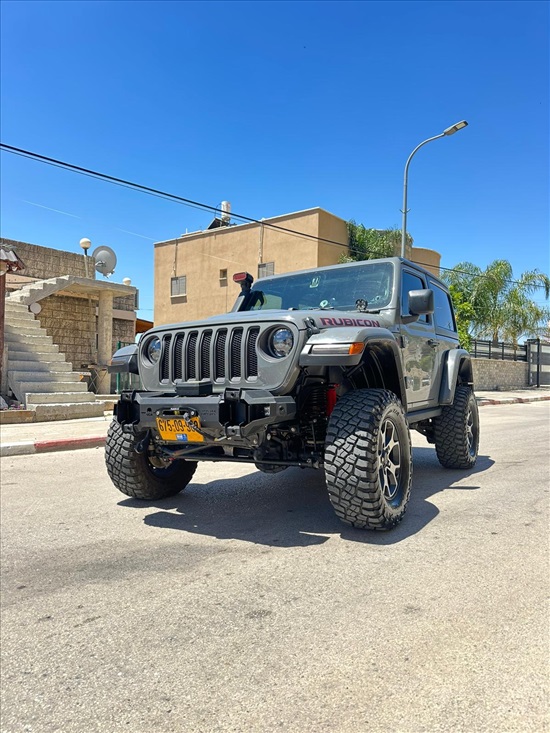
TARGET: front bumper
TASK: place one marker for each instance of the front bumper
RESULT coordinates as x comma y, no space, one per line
238,414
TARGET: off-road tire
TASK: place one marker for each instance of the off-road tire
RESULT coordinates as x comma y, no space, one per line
135,475
368,442
456,430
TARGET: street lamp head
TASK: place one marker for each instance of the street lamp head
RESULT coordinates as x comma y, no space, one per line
449,131
455,128
85,244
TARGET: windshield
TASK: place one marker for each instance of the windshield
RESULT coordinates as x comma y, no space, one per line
338,289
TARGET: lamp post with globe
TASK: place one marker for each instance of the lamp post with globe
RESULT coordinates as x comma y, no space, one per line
85,243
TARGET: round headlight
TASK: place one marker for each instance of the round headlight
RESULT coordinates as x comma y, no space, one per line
281,342
152,350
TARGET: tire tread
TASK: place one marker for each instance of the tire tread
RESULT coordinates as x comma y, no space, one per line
128,470
351,462
451,442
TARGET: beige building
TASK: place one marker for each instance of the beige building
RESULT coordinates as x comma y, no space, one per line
193,273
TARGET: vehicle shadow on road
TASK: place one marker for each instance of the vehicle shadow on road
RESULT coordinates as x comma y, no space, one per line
292,509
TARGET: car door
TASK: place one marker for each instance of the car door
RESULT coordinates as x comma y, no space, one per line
445,330
419,347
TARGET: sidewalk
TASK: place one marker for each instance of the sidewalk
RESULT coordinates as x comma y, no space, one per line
42,437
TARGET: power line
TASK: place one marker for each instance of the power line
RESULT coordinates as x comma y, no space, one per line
201,206
155,192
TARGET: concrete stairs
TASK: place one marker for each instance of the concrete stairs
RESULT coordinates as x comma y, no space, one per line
40,289
38,374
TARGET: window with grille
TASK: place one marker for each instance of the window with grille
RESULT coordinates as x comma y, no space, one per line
178,286
266,268
223,277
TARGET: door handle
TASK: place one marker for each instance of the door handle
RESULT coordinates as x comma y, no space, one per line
433,343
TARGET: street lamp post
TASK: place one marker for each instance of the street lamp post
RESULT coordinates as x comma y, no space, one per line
449,131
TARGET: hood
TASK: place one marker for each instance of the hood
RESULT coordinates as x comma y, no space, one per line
323,319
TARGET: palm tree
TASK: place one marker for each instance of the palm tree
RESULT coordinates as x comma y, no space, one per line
524,318
501,307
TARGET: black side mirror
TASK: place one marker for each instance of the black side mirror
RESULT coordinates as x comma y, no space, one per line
421,302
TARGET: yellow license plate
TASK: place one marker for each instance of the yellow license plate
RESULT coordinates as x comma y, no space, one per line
174,428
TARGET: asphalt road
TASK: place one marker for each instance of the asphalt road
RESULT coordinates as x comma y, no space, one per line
244,605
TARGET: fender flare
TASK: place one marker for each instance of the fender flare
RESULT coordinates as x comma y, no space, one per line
382,343
125,360
458,364
336,336
377,341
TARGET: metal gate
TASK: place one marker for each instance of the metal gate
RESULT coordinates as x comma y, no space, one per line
538,357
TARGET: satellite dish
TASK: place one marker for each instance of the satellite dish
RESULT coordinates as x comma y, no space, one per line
104,259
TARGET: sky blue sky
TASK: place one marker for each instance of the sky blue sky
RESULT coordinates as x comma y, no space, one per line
277,107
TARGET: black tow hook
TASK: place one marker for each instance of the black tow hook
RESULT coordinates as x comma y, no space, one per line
143,444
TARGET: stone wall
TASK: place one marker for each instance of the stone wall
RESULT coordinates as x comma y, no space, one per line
123,331
125,303
44,262
71,322
500,374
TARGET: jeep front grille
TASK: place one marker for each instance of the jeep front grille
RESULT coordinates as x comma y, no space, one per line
223,354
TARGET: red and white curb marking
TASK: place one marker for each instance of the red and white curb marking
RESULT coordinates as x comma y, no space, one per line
511,400
50,446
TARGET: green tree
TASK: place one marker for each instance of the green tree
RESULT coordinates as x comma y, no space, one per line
501,308
464,313
370,244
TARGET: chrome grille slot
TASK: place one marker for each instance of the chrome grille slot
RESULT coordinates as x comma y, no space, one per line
235,353
165,360
191,356
251,353
219,369
204,372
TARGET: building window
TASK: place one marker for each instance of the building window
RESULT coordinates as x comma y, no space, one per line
178,286
223,278
266,269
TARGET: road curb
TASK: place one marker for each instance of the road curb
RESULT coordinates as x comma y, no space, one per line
47,446
16,449
50,446
483,402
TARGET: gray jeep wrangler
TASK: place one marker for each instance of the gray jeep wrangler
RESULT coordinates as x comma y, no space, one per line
325,368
